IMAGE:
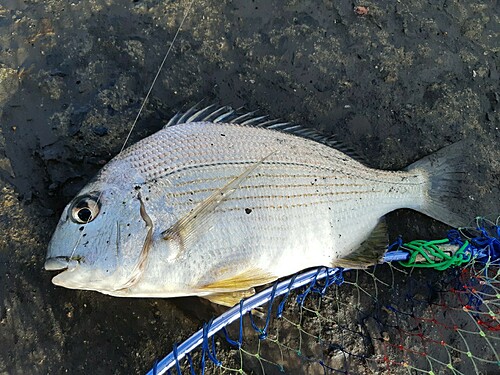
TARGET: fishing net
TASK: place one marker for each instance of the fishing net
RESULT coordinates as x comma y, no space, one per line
434,311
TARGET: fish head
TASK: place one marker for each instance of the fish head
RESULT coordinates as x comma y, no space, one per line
99,237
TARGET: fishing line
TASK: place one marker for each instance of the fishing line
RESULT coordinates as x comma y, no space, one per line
157,75
148,94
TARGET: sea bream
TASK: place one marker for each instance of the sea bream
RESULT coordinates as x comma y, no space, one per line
213,205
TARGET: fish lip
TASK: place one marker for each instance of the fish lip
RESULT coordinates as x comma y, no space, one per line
58,263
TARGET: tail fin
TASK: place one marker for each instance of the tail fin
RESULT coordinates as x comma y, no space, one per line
445,170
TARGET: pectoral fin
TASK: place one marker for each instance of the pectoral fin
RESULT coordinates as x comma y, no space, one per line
370,252
229,299
185,230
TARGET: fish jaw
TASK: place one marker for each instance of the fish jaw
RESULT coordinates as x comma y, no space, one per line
73,273
56,263
77,277
76,274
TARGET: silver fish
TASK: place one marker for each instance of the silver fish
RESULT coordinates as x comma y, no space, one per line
214,205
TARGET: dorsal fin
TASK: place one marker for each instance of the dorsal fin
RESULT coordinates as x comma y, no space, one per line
226,114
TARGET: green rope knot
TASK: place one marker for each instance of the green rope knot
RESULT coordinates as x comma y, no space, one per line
428,254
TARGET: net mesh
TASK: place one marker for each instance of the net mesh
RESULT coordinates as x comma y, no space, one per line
390,319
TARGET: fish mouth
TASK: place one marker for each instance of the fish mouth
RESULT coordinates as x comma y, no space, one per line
58,263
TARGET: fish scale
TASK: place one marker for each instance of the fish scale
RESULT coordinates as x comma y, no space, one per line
208,208
175,149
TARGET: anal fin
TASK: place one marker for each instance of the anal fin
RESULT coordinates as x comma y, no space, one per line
370,252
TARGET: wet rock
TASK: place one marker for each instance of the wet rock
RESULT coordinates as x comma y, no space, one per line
100,131
9,83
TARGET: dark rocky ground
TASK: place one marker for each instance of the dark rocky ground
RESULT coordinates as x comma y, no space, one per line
396,84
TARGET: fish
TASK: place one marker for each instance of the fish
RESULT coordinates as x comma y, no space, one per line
215,204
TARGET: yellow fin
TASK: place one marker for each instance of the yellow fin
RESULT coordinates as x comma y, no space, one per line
241,281
229,299
370,252
196,221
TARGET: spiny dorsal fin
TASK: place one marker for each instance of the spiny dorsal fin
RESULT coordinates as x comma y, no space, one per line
227,114
370,252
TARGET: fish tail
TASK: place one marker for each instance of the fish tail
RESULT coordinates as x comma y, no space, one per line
445,174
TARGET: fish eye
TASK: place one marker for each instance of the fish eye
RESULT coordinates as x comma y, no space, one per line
85,209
